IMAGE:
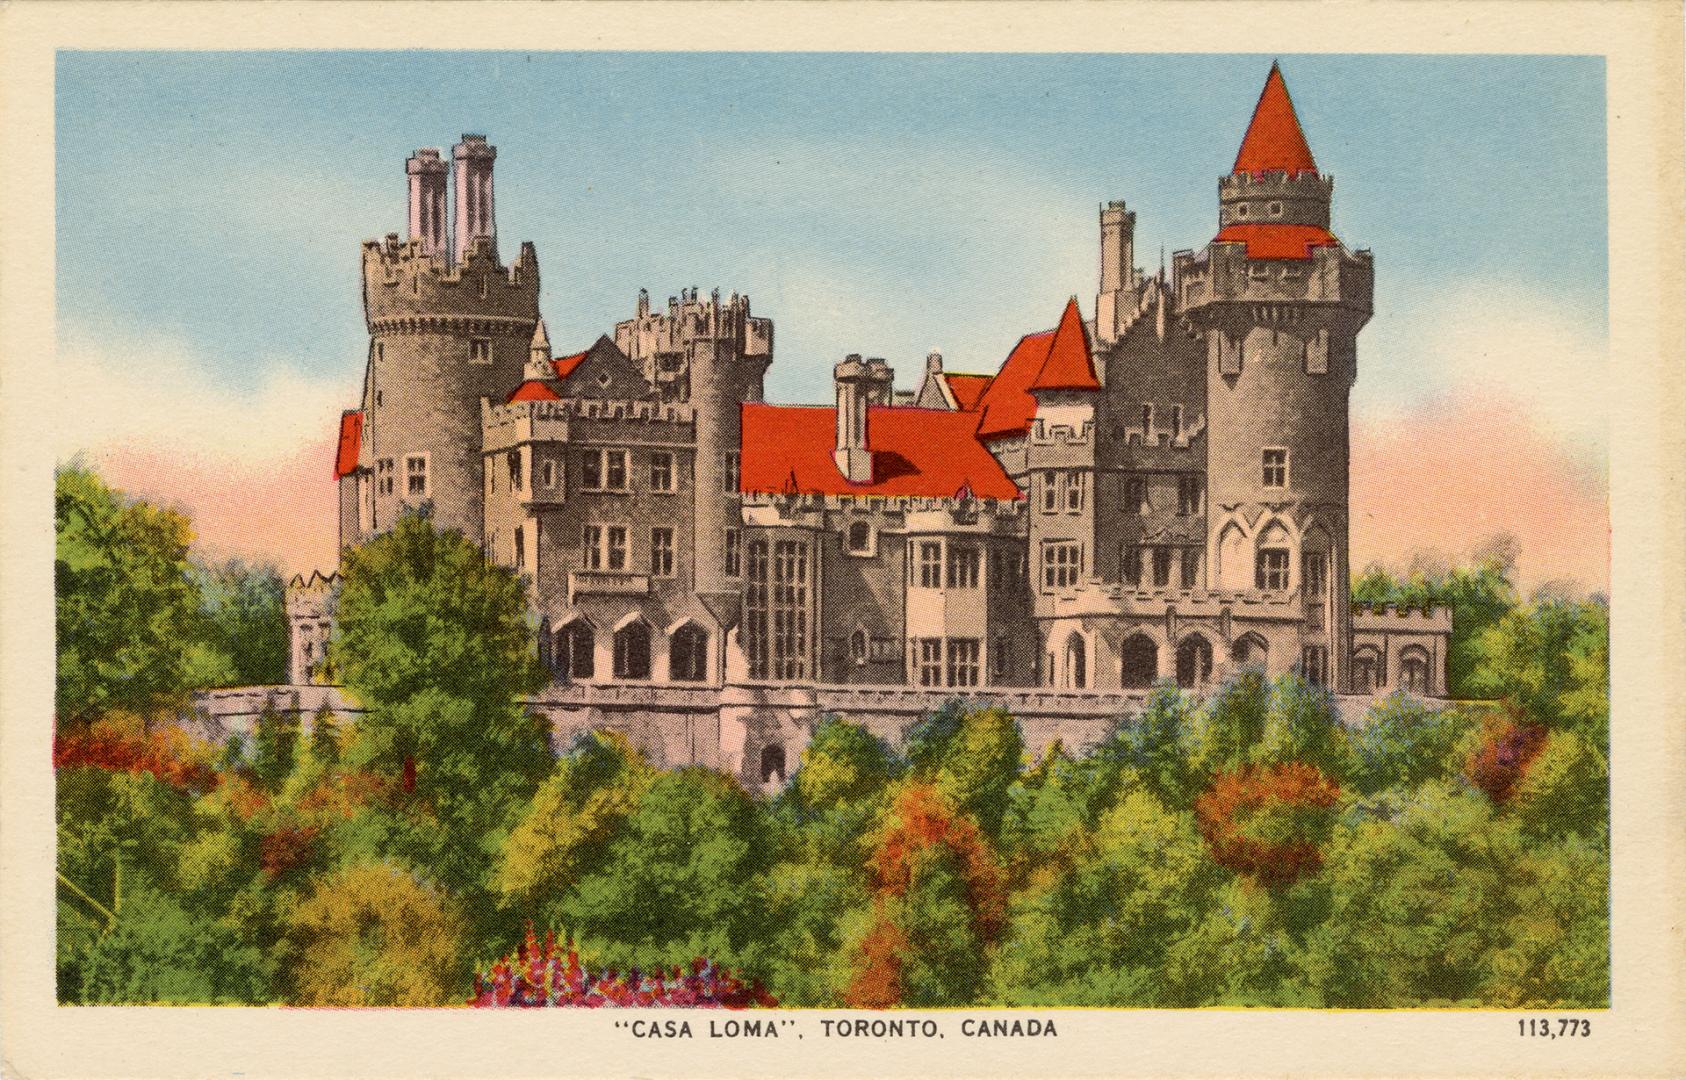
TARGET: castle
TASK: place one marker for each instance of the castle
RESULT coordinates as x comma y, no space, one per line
1157,492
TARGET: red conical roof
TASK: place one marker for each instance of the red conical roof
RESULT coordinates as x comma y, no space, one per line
1069,366
1274,141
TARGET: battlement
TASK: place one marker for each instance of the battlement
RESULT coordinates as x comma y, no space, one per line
1043,433
1430,618
406,288
1278,185
885,504
688,320
505,425
1095,597
313,597
1223,272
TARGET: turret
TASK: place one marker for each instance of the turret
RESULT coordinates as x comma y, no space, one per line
1279,302
538,355
1116,299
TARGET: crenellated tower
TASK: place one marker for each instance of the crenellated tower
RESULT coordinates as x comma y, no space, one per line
448,325
1278,302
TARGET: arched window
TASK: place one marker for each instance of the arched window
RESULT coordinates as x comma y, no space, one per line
1233,563
1138,662
632,650
687,654
1365,670
1076,662
857,646
1194,662
860,537
575,655
1414,673
1251,650
772,763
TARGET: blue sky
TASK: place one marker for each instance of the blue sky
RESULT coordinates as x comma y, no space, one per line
868,203
211,207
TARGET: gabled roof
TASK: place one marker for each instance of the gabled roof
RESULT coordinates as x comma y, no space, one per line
965,389
351,438
1056,359
534,390
1275,241
1274,141
786,449
565,365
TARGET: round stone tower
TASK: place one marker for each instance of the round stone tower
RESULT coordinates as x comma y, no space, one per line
448,325
1279,302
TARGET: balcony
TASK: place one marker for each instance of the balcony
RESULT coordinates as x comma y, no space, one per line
607,583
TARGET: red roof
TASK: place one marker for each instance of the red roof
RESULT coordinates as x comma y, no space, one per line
922,452
1055,359
565,365
351,438
1069,366
966,389
534,390
1274,141
1267,241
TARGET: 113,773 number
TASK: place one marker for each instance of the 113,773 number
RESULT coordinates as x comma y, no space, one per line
1544,1028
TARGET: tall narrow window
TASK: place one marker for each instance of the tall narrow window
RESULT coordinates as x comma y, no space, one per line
515,477
1176,422
576,650
777,600
962,566
930,564
415,475
520,548
1050,491
1132,564
1190,494
550,474
1191,567
734,552
1271,569
614,470
616,555
1275,467
661,551
1314,664
1161,567
687,658
1147,423
632,650
661,471
1074,492
480,350
383,476
963,655
591,470
729,473
1135,494
930,661
1001,659
591,547
1314,586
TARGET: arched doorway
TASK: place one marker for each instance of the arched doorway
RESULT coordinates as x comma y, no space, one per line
772,763
1414,670
1138,662
1194,662
576,649
632,650
1076,662
687,654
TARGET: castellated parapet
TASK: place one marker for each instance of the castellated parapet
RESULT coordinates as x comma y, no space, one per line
408,289
1275,198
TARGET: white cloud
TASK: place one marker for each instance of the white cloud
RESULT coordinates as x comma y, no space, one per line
154,394
1500,345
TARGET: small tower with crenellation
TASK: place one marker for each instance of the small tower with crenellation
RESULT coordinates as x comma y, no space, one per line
1278,302
449,324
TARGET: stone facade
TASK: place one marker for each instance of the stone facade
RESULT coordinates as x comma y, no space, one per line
1159,492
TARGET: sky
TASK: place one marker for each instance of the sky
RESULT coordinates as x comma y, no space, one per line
210,208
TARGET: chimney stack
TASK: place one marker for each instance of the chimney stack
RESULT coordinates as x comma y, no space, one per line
474,195
860,385
426,170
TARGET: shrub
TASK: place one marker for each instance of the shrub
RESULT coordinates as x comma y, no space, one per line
1267,821
1508,746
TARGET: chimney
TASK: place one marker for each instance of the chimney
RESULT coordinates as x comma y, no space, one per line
934,362
538,355
854,379
474,195
426,170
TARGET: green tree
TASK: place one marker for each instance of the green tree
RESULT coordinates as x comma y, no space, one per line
973,755
435,644
243,619
1552,659
1403,743
126,606
1156,745
158,953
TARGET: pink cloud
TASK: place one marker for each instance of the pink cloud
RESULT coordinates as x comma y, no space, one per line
285,510
1449,478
